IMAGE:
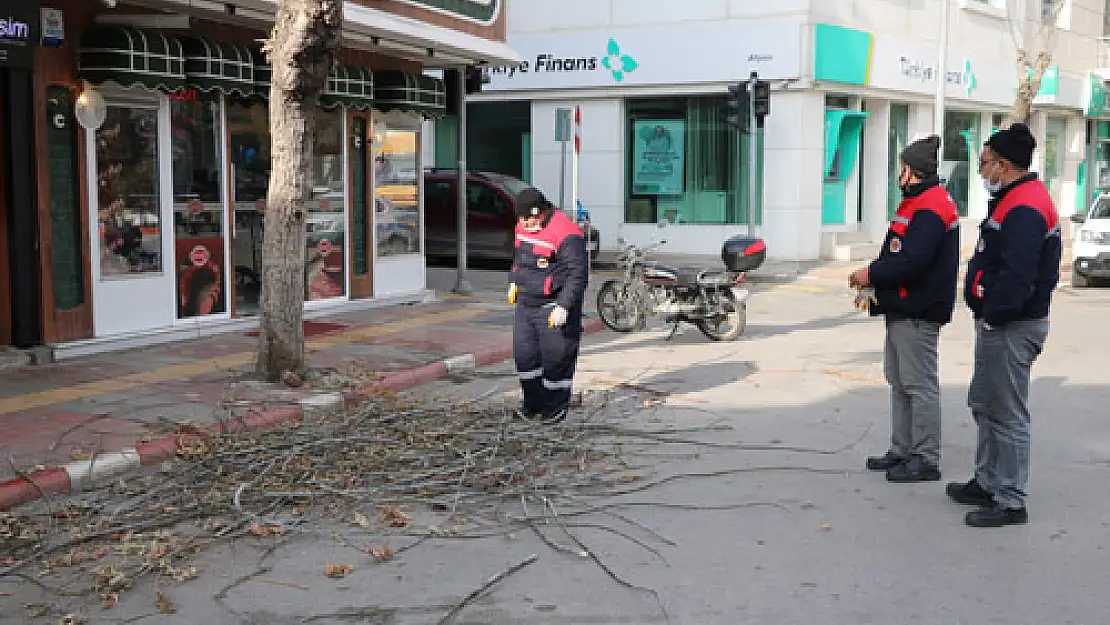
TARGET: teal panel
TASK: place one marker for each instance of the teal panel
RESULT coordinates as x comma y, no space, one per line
526,157
841,55
843,130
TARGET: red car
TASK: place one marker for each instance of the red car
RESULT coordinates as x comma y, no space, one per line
491,217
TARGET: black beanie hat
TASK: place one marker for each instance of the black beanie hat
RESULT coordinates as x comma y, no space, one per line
1015,144
531,203
921,155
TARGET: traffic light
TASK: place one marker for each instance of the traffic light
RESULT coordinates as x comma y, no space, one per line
737,108
761,100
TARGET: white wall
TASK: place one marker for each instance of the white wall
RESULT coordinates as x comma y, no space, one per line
876,146
793,170
601,169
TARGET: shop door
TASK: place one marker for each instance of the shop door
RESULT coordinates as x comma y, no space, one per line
361,193
134,282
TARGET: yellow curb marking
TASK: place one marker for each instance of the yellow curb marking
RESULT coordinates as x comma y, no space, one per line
230,361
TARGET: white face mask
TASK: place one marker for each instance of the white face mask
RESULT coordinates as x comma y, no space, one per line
992,187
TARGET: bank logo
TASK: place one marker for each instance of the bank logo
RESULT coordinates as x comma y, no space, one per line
14,29
618,64
969,80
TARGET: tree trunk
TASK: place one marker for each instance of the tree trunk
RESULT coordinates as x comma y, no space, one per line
1029,83
302,49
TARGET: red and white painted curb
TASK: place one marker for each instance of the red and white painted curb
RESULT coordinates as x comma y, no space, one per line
85,474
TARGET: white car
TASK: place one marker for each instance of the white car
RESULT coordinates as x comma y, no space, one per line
1091,248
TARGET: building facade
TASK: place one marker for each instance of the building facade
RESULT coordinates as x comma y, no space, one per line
136,160
852,82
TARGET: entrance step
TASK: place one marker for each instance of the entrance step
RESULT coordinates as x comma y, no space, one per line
849,246
12,358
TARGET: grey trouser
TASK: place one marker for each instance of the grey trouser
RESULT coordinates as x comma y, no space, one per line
999,401
911,369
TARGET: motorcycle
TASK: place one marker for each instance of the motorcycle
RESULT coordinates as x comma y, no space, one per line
713,300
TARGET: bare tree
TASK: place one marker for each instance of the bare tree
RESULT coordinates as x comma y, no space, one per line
1034,30
302,50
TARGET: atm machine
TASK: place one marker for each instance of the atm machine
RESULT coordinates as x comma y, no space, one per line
843,132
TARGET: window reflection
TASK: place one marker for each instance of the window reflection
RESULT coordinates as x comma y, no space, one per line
325,227
396,202
197,207
128,215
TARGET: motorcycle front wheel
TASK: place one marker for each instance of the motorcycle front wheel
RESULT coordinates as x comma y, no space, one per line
730,324
618,307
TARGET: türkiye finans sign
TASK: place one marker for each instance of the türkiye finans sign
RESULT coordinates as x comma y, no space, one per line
19,33
481,11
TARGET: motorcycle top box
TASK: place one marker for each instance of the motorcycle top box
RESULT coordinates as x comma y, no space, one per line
743,253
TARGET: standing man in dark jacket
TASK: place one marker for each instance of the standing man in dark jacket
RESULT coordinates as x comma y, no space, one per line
914,280
547,284
1008,288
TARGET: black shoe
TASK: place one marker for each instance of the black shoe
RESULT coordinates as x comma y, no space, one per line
885,461
969,494
526,415
553,418
996,516
915,470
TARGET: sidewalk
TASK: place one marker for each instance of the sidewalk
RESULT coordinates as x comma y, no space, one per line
79,414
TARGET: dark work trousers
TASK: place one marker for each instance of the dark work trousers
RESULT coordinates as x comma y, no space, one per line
999,401
545,357
911,368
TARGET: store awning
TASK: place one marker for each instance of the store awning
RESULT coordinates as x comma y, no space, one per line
405,91
352,87
131,57
217,66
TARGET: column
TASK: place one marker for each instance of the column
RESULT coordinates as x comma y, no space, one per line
794,171
876,166
1038,122
1075,152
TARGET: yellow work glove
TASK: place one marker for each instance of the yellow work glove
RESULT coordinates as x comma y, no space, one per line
513,290
865,298
557,318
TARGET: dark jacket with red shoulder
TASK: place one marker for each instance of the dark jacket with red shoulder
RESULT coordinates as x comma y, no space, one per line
1016,265
916,272
551,265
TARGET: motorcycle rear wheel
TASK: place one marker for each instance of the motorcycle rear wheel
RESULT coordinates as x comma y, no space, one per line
735,315
614,298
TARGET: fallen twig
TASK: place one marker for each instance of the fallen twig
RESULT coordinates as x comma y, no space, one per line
489,583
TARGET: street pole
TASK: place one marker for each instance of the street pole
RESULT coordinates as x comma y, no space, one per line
563,175
462,286
753,172
942,75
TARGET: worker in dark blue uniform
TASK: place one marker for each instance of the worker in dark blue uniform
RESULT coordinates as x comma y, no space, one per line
1008,288
547,284
914,280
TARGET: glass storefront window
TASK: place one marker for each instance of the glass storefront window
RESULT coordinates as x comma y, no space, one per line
326,224
684,163
397,192
249,128
1055,130
961,156
197,145
898,139
129,210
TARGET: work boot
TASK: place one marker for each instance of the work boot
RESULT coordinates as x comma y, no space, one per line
553,418
969,494
525,415
885,461
914,470
995,515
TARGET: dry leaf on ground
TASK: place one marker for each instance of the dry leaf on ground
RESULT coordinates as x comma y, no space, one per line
336,571
383,554
361,520
394,516
163,603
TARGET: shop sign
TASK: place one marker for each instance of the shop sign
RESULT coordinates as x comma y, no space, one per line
481,11
1050,86
1095,95
196,207
908,66
718,52
324,247
19,33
